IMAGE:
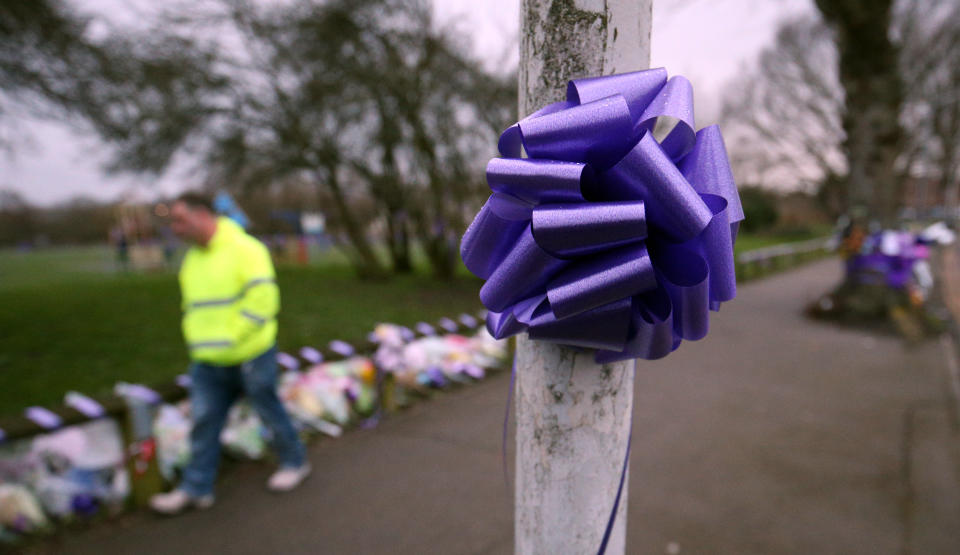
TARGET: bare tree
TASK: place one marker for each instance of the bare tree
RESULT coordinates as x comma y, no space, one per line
783,117
930,59
39,44
366,100
873,98
797,121
51,67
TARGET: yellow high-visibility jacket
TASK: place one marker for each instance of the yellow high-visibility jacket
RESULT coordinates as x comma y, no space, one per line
230,297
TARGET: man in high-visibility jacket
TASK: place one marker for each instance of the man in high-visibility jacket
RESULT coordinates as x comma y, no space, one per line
230,306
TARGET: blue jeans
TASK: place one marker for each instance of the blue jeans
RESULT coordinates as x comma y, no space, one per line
213,391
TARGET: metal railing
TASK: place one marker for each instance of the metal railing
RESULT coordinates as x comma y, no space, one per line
762,261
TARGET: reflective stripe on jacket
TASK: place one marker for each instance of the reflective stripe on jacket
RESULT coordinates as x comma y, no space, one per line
230,297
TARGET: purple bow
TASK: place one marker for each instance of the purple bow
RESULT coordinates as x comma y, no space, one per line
604,237
888,257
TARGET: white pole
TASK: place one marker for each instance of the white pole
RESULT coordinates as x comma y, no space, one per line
573,415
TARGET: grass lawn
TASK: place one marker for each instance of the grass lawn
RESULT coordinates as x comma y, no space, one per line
751,241
54,265
69,322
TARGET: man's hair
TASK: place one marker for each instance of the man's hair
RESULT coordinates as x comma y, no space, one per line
195,199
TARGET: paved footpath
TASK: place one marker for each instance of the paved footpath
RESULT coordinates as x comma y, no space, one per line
773,435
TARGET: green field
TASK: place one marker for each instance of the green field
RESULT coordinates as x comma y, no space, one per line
748,241
70,320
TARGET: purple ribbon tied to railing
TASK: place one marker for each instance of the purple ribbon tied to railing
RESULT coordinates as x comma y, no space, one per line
605,237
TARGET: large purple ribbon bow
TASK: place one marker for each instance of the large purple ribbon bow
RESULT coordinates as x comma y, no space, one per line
604,237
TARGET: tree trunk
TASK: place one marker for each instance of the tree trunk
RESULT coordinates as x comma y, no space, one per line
433,221
870,77
399,242
390,189
366,262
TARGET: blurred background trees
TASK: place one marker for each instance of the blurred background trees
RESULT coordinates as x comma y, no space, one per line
42,54
79,220
369,111
873,89
56,63
860,106
382,114
18,223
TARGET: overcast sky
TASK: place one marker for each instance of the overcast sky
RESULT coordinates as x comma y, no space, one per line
707,41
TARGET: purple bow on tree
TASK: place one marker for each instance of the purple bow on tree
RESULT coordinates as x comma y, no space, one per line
603,237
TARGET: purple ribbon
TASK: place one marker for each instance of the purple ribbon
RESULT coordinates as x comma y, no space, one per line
432,377
137,392
407,334
288,361
878,268
605,238
468,321
311,355
43,417
474,371
84,405
888,258
342,348
448,325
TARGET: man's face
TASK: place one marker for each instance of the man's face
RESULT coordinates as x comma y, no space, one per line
187,223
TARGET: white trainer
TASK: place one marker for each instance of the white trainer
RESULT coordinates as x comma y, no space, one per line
288,478
177,501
